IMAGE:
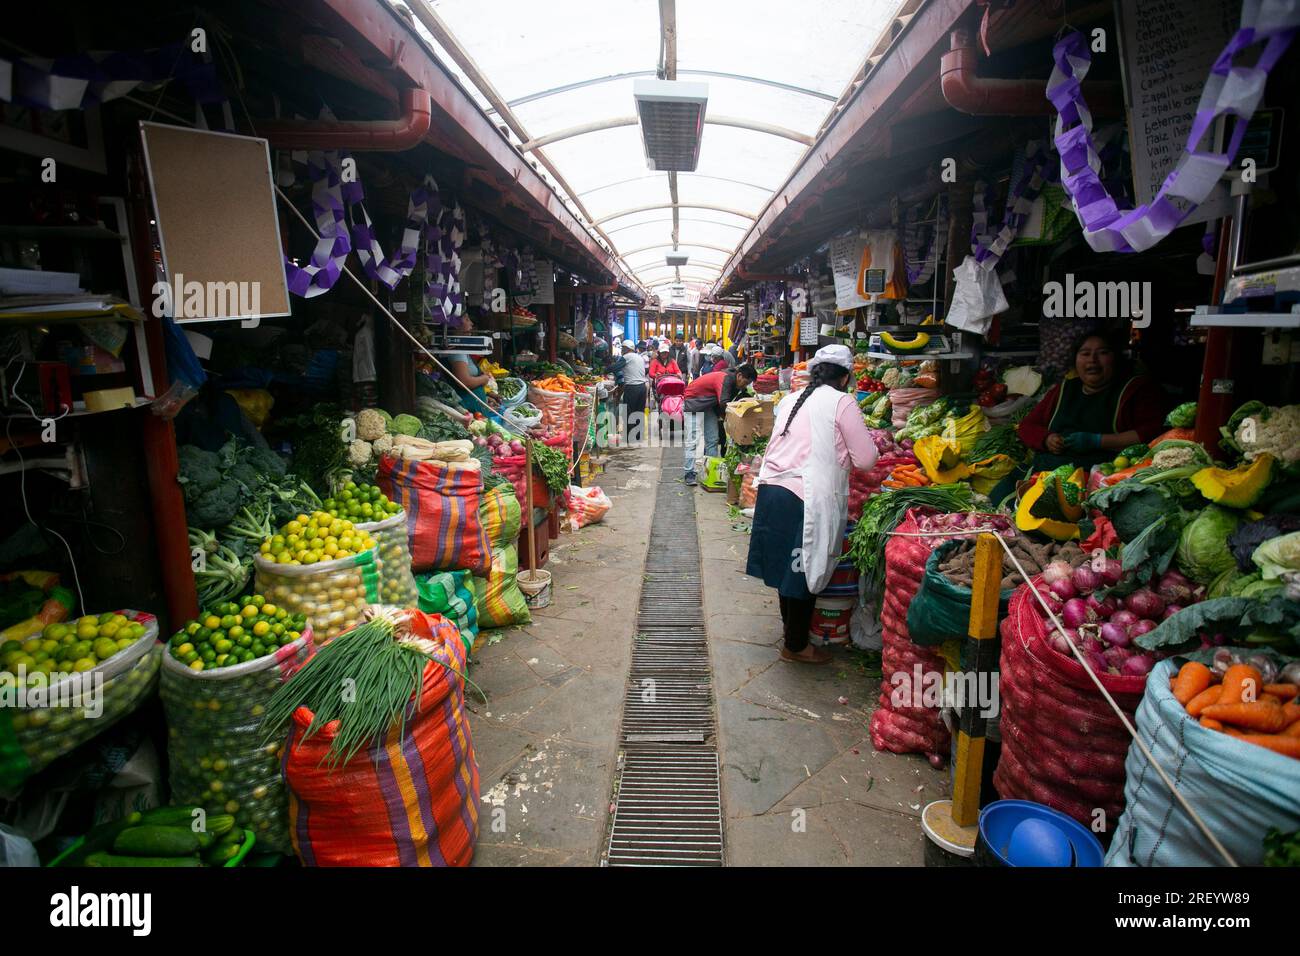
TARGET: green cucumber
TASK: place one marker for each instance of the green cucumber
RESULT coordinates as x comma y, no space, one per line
170,816
152,840
108,859
225,849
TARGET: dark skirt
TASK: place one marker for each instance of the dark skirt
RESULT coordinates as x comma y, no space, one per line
775,540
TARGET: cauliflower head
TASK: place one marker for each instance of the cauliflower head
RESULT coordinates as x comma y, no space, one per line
1274,431
359,452
370,424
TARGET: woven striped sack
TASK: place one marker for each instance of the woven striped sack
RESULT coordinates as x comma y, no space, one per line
501,515
408,801
441,500
451,594
497,596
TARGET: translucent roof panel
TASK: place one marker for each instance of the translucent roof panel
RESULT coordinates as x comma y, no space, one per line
566,72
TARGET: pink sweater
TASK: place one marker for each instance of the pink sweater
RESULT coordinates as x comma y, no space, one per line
853,444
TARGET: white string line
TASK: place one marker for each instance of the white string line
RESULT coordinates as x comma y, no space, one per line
1137,739
22,478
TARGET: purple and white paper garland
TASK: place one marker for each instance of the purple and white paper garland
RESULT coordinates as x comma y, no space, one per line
423,202
1229,90
988,250
326,264
921,264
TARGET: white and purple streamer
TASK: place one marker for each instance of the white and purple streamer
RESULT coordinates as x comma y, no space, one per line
327,259
389,271
1230,90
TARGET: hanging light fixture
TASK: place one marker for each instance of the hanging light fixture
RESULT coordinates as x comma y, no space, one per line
672,122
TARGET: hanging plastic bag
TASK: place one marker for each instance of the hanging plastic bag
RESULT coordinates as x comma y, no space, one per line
217,756
977,297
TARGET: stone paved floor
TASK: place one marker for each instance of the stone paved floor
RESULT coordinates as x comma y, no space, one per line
801,782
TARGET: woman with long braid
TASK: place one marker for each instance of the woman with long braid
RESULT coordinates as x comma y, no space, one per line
803,491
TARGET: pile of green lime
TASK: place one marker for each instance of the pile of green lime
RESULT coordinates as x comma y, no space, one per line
235,633
360,503
309,539
69,647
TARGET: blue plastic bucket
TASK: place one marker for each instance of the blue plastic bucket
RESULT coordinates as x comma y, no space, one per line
1023,833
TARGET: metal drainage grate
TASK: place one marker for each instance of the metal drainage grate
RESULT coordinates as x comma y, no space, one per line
668,807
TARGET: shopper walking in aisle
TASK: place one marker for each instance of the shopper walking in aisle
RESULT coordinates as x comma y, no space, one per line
706,401
693,359
802,507
682,356
663,363
632,405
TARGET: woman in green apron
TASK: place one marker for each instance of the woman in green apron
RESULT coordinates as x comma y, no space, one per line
1096,412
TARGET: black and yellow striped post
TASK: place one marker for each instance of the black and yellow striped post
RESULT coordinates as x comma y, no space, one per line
981,653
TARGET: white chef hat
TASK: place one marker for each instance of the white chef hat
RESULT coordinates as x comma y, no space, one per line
832,355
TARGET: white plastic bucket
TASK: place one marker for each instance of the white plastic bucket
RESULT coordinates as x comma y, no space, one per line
536,588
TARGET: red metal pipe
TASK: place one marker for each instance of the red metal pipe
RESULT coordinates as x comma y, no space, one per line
587,289
158,437
405,132
980,96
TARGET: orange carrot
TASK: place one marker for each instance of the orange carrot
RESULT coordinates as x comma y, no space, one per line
1292,730
1285,691
1235,684
1292,712
1286,746
1258,715
1192,678
1209,724
1197,705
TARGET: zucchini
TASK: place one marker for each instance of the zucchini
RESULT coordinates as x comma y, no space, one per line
170,816
153,840
225,849
108,860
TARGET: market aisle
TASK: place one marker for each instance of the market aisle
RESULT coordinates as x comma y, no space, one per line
787,744
547,737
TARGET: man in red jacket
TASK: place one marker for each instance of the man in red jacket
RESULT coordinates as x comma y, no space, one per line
706,399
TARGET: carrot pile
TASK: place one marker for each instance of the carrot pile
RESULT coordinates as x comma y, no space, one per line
1242,705
906,476
557,383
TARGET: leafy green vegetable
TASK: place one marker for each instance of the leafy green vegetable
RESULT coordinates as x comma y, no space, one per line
998,440
1278,555
319,452
405,425
1202,554
1183,416
1234,617
1251,534
552,464
1281,849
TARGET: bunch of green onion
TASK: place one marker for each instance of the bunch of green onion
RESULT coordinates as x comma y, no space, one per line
881,515
366,679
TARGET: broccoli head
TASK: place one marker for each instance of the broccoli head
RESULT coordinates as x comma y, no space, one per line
267,462
199,471
214,508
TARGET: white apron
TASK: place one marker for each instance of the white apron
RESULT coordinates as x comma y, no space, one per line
825,485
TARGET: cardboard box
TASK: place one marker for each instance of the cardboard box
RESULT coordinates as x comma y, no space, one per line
745,428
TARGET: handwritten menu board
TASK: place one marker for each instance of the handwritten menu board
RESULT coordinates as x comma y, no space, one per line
846,266
1168,47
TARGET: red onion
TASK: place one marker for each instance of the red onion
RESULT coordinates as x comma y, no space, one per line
1064,589
1111,571
1115,657
1103,608
1057,571
1139,665
1124,618
1173,587
1075,613
1141,627
1170,611
1223,659
1085,579
1059,644
1115,635
1096,662
1145,603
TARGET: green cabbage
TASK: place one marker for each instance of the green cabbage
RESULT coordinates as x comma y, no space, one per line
1203,552
405,425
1278,555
